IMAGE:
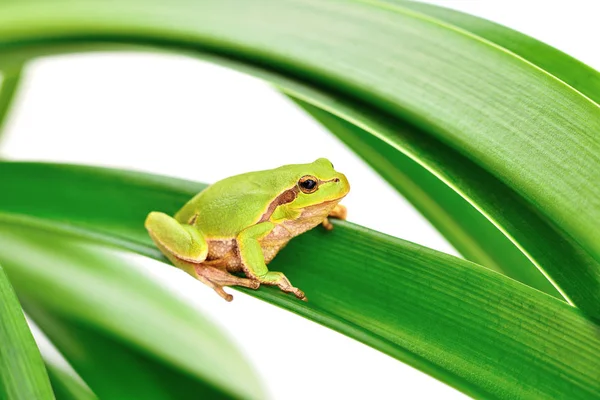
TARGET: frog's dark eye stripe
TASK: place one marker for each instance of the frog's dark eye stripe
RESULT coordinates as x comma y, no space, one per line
308,184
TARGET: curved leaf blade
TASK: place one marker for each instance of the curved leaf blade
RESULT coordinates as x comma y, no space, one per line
517,148
580,76
9,84
66,386
481,332
448,92
22,371
475,237
109,367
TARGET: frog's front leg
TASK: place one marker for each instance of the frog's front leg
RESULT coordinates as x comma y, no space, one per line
253,260
339,212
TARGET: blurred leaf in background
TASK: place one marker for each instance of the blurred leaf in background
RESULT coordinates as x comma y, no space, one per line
22,371
9,84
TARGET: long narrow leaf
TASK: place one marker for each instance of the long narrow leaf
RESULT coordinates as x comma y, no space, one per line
112,369
467,229
307,53
22,371
66,383
570,70
66,386
475,329
481,106
11,76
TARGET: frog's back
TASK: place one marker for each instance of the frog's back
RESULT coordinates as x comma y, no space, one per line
229,206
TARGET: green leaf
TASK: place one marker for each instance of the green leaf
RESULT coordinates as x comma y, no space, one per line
214,24
112,369
461,224
22,371
66,386
479,331
475,237
11,76
511,138
555,253
566,68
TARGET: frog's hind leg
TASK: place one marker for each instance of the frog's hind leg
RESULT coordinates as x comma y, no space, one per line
182,241
186,247
216,278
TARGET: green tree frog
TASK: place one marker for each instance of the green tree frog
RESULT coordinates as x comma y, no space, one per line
240,223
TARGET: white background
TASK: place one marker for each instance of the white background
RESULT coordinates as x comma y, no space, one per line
178,116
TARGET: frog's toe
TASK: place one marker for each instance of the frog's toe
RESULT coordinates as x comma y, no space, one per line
223,293
299,294
327,224
254,284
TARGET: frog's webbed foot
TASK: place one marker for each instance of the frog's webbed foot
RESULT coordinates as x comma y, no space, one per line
216,278
339,212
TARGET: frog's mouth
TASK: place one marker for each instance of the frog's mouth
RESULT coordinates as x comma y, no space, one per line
346,186
325,205
335,199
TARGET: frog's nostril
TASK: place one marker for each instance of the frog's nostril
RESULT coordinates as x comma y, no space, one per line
336,180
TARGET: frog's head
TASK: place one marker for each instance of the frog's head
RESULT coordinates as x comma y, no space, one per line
318,183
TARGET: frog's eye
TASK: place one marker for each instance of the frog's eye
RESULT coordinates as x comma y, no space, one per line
308,184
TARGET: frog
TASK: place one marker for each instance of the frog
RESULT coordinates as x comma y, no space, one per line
238,225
